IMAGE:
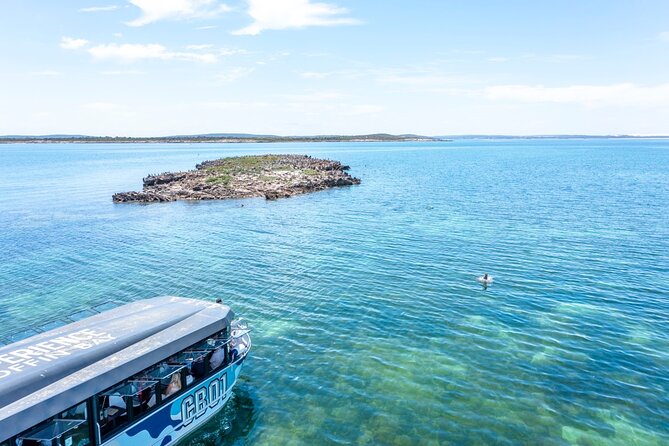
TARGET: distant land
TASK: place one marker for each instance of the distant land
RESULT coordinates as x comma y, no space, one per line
253,138
211,138
551,137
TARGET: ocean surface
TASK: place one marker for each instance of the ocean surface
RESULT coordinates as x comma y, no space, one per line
369,325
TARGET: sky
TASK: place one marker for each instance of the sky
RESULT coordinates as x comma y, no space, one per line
303,67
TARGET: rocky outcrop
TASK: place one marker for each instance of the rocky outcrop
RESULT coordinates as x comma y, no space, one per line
269,176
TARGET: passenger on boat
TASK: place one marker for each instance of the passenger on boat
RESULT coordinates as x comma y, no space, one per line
145,395
217,358
234,352
237,348
197,368
239,341
174,386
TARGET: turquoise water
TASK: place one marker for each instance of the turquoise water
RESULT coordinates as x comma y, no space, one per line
369,325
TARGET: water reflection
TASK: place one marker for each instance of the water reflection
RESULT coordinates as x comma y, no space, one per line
232,425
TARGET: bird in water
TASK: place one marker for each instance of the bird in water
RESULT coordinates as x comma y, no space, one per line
485,279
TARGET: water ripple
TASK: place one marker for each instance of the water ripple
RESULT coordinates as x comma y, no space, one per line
369,326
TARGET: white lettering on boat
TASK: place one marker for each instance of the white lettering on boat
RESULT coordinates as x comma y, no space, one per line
207,396
47,351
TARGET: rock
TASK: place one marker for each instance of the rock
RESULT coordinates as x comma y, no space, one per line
271,176
140,197
164,178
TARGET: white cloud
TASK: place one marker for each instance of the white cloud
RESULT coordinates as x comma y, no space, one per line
100,8
498,59
70,43
314,75
589,95
129,52
204,46
233,74
133,52
284,14
664,36
230,51
157,10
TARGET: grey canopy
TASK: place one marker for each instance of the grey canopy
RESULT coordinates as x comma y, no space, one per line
51,372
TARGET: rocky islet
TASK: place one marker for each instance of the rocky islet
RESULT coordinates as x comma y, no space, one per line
269,176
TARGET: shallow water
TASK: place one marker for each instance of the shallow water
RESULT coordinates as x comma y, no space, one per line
369,325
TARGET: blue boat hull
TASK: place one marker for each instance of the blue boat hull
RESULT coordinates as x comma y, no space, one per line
168,424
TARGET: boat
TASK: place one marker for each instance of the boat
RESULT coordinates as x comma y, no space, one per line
145,373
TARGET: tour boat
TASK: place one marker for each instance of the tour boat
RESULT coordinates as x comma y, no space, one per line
145,373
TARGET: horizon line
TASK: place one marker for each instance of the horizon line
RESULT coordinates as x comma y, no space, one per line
242,135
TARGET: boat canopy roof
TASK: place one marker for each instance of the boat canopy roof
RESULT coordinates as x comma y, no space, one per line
52,371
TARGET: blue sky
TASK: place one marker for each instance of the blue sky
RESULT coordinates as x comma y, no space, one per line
161,67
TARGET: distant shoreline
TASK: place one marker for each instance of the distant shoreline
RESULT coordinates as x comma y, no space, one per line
51,139
247,138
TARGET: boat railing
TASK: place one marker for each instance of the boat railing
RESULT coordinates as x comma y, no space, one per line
241,333
214,342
